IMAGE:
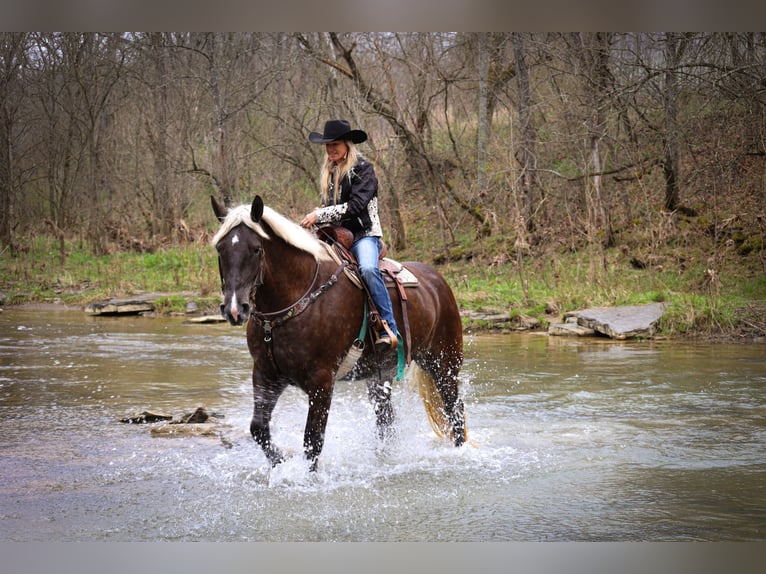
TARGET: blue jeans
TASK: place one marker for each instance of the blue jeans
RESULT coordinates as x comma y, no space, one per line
367,252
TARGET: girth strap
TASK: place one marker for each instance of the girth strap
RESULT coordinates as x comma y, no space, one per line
403,298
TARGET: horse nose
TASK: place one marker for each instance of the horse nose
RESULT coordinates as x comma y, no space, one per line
230,316
245,310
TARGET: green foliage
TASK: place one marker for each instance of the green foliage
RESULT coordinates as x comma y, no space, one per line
36,275
171,304
705,294
569,282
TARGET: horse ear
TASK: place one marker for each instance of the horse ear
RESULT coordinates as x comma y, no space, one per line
256,210
218,209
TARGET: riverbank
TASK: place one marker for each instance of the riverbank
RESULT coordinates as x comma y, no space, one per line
713,298
473,322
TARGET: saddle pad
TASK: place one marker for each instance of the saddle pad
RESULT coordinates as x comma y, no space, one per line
406,276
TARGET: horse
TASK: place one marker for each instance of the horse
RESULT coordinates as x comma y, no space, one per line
304,315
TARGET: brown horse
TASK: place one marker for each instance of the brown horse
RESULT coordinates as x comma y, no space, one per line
304,315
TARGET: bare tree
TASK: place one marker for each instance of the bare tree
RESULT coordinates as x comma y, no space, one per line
425,169
592,50
483,122
526,153
675,44
234,77
13,53
114,134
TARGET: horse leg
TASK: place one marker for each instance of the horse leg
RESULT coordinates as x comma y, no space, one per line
379,393
445,377
457,419
316,422
264,401
455,412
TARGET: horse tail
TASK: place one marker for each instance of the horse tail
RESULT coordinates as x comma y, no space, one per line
433,402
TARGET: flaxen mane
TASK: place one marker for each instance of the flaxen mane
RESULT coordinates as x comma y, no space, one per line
289,231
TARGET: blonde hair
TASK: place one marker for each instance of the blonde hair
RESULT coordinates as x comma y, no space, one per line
343,169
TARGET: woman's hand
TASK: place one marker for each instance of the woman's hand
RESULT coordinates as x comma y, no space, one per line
309,220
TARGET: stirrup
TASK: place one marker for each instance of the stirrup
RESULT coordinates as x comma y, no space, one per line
388,339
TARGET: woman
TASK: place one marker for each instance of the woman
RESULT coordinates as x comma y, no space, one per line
350,199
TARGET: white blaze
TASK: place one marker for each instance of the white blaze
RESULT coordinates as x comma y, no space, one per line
234,305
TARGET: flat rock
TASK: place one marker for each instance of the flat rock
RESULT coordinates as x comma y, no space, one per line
133,305
202,319
500,320
627,322
569,330
146,417
120,307
185,430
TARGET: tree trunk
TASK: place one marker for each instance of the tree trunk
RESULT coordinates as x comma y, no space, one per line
482,130
219,115
163,207
670,164
526,149
594,53
11,46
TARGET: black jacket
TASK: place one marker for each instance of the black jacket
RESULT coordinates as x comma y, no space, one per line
357,207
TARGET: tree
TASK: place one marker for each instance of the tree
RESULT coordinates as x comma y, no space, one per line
592,50
13,48
234,78
525,153
425,169
675,44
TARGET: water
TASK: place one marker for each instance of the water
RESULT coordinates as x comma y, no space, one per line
570,440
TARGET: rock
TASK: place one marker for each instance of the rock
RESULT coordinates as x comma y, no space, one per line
178,430
206,319
524,322
200,423
197,417
119,307
200,415
569,330
625,322
146,417
139,303
499,321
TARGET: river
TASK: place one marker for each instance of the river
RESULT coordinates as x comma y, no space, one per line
570,440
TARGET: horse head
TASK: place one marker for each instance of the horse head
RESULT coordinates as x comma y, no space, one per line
240,253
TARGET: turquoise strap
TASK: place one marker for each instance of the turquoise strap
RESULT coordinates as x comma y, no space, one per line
400,366
400,348
363,330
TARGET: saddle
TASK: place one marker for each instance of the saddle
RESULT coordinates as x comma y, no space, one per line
339,240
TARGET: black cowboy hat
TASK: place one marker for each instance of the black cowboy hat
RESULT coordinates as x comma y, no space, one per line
335,130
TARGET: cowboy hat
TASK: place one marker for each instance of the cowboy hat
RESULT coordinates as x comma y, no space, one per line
335,130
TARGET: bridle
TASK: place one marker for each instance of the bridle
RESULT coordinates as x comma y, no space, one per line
271,319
